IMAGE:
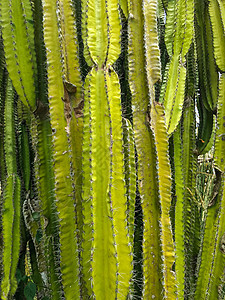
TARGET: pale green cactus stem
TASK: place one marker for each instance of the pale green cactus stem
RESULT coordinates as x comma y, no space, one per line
72,97
10,214
148,185
18,49
99,252
106,257
153,65
86,190
117,189
164,176
63,181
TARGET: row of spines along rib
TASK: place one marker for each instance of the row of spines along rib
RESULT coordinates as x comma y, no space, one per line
10,206
106,249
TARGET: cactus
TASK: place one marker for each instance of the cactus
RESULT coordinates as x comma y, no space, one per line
109,112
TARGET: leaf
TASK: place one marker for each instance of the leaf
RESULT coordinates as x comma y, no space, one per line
30,290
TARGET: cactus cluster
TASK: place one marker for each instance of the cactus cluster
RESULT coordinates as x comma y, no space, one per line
112,149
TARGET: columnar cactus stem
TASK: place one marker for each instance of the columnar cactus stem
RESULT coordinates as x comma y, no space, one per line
18,49
164,176
63,181
10,212
106,257
145,146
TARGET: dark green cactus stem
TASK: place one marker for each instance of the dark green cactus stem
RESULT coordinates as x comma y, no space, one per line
208,75
42,144
212,257
179,213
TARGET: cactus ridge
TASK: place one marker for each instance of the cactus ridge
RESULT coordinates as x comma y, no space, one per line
179,213
218,33
130,174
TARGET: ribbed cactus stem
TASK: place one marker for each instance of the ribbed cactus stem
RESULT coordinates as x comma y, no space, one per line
63,181
164,176
10,212
20,64
145,147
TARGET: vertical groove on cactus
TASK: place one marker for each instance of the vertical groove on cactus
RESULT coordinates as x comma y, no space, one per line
17,51
63,181
130,174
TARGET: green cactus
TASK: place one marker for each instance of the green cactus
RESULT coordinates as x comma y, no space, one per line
111,112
